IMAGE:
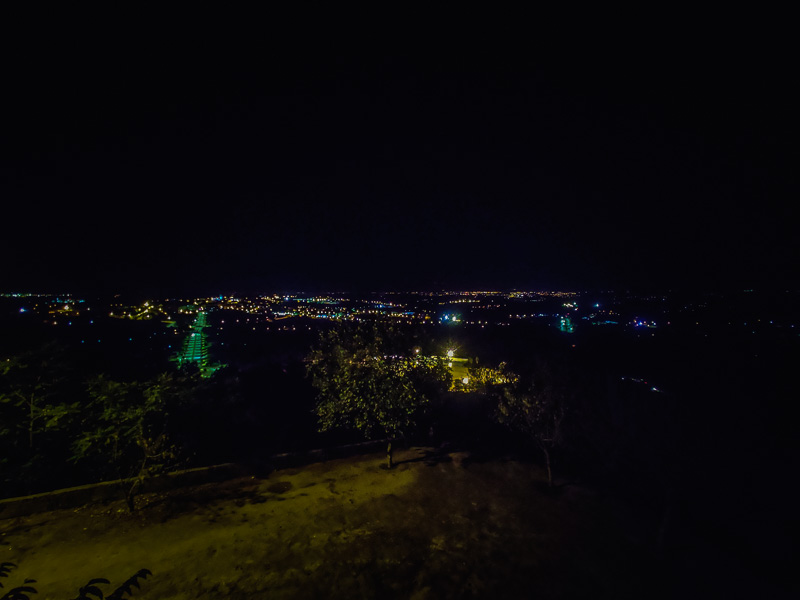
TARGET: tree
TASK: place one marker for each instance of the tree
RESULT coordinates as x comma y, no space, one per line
365,382
128,428
30,390
484,379
37,410
537,409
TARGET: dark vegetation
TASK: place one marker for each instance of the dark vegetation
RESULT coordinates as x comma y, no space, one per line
690,463
90,591
372,380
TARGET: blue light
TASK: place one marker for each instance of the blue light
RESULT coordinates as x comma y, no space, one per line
22,310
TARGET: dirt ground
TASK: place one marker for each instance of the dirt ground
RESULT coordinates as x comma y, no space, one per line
439,525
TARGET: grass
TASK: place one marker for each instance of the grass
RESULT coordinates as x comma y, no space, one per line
439,525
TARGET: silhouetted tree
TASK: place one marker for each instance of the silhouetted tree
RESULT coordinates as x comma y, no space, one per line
483,379
38,408
365,382
126,427
30,382
537,408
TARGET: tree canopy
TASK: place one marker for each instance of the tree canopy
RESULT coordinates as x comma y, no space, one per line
536,406
368,382
128,426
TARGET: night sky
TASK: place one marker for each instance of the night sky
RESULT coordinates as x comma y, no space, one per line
215,165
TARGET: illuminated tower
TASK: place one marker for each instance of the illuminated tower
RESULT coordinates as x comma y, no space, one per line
195,347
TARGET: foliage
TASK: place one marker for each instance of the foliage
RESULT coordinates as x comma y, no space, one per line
537,408
366,383
37,411
51,434
482,379
29,399
126,587
90,591
126,428
16,593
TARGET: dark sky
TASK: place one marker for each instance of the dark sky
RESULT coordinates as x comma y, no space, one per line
306,163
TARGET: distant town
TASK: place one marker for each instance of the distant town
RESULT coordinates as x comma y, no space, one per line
209,331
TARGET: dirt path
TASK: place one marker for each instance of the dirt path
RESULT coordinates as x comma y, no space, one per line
435,526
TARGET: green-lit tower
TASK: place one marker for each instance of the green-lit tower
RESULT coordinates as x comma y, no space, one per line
195,347
566,325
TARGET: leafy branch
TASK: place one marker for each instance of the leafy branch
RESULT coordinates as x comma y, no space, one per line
90,591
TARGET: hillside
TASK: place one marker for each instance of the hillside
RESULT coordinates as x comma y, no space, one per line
440,525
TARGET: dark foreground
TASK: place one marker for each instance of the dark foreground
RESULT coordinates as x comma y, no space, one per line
440,525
